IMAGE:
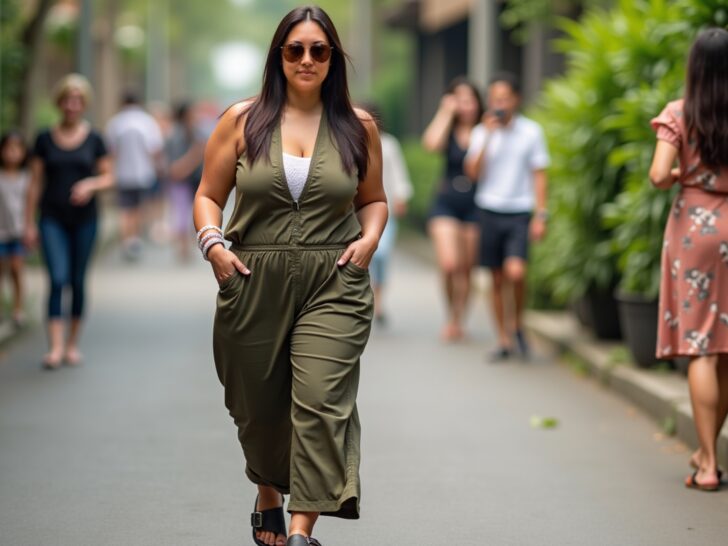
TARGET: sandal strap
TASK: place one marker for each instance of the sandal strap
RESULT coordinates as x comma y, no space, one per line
272,520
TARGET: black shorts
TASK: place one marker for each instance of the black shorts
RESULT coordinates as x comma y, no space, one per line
460,207
131,198
502,236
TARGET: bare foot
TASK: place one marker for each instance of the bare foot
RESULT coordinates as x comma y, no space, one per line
269,498
73,356
452,332
704,480
53,359
695,462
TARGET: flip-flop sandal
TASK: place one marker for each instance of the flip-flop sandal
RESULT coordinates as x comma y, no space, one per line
692,483
271,520
300,540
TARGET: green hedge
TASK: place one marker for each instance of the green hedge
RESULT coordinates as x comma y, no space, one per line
425,170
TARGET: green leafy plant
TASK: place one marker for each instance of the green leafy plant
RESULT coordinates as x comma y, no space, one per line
624,65
425,170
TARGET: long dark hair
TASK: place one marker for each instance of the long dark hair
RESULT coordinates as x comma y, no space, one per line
706,96
462,80
264,114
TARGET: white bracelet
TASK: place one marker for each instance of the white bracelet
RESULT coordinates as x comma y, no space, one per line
209,244
213,235
205,228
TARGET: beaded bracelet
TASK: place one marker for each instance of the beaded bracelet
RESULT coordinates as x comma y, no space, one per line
206,238
209,244
205,228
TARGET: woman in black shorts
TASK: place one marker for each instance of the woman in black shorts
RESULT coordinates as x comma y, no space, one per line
453,223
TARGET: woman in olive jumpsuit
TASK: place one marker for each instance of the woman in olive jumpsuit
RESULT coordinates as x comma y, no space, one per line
294,306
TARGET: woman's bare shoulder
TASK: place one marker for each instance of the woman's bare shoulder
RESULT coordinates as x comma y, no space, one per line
237,113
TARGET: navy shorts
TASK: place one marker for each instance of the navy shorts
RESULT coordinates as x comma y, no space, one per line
502,236
12,247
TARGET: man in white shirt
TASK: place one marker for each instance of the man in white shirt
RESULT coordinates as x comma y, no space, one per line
135,140
508,159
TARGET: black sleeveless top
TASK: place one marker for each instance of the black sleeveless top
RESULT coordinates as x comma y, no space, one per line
456,192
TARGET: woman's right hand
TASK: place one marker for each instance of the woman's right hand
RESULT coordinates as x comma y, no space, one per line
225,263
449,104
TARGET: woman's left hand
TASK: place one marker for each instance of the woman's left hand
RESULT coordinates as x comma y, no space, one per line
82,192
359,252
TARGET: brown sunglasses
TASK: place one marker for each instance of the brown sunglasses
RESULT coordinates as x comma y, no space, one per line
295,52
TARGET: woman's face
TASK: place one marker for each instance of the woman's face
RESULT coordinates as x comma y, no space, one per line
467,109
306,56
72,105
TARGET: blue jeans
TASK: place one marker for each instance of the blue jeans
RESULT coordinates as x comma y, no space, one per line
67,251
380,260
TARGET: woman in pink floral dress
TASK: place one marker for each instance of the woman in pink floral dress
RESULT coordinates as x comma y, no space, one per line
694,287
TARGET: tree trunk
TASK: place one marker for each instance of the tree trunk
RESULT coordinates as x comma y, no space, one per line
31,39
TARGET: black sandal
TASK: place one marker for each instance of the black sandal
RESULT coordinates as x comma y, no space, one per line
300,540
271,520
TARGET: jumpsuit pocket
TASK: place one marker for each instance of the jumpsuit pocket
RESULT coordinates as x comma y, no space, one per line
229,281
356,268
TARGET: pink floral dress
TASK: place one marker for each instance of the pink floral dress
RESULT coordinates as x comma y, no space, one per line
693,317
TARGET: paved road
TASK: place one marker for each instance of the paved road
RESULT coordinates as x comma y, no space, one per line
136,448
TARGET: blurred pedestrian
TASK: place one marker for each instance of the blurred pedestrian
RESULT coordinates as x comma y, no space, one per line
184,150
508,157
70,165
453,222
14,183
693,316
156,202
294,307
135,142
398,188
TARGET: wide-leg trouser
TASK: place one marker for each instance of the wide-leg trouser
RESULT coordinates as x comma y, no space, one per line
287,341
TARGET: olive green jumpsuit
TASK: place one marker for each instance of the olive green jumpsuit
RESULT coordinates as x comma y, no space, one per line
287,339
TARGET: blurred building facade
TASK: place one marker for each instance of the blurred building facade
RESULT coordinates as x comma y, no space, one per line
457,37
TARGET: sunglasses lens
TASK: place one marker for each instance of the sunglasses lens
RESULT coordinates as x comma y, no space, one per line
293,52
320,53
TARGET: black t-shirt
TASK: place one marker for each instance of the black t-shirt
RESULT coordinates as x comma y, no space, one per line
63,168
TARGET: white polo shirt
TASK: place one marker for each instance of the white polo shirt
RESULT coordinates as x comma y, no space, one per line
505,184
134,137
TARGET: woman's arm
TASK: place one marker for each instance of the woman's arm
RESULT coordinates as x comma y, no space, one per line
83,190
434,139
663,174
30,237
218,179
183,167
370,202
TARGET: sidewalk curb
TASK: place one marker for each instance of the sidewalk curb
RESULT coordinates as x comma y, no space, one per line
662,395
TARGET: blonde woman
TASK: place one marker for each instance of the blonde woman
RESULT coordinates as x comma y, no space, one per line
70,165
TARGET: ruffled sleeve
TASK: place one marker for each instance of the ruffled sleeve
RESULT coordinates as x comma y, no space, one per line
667,125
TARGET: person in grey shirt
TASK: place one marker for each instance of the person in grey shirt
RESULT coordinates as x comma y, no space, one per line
135,140
14,183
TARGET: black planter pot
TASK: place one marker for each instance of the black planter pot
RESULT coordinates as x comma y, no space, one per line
639,325
603,313
582,311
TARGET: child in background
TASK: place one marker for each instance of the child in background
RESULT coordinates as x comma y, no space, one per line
14,181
